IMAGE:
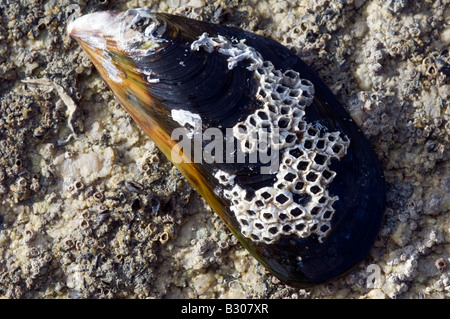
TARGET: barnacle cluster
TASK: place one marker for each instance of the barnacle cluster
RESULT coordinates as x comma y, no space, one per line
298,203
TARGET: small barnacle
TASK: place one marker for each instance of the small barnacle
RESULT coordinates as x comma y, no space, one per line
66,258
86,63
145,167
223,245
29,59
47,257
85,214
169,219
80,246
68,154
78,95
151,229
69,243
29,283
101,245
33,252
431,71
440,264
414,32
154,159
84,224
29,235
217,253
17,164
164,237
78,185
39,14
99,196
330,288
30,19
20,189
35,185
71,188
47,95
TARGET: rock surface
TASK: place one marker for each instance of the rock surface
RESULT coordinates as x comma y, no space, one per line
89,208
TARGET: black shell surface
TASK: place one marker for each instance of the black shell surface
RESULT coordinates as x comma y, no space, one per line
222,97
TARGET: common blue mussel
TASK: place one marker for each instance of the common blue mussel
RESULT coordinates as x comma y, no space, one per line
254,130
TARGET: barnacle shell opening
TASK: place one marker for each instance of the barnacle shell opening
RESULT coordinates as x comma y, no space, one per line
309,218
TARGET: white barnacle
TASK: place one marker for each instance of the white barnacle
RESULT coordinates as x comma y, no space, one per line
204,42
191,121
236,51
184,117
225,178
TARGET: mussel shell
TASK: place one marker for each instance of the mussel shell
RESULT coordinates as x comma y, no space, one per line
202,82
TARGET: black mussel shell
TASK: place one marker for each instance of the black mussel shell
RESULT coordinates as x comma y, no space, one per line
313,211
